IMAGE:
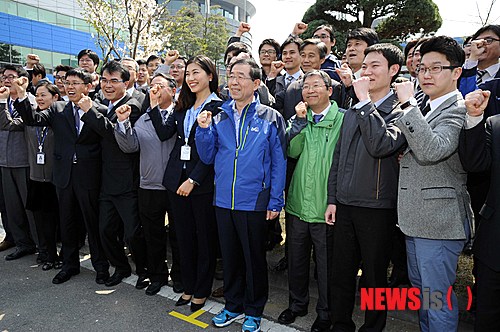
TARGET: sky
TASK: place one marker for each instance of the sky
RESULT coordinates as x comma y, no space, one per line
276,18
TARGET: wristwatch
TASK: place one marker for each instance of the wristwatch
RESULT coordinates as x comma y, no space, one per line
192,181
411,102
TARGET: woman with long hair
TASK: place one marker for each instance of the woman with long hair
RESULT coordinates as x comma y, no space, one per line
190,182
42,198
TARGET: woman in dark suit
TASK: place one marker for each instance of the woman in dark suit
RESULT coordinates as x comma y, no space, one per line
190,182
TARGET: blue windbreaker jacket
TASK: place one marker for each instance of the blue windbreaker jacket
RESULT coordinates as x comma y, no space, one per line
249,176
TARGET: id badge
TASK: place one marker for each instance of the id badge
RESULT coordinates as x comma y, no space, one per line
40,158
186,152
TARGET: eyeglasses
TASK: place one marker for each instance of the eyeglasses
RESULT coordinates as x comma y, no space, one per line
322,36
178,67
489,40
238,79
9,77
66,83
270,52
315,87
433,70
113,81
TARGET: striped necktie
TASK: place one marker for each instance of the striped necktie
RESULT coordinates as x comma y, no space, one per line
419,96
77,120
479,76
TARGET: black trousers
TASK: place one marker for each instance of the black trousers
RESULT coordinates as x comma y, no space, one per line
74,200
195,228
488,293
303,236
243,237
119,215
361,234
21,222
42,201
3,212
153,205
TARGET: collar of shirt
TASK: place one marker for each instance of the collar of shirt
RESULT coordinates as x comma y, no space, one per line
295,76
492,71
381,100
113,104
357,74
130,91
438,101
323,113
192,113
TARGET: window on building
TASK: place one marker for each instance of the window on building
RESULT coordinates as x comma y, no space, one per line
28,12
47,16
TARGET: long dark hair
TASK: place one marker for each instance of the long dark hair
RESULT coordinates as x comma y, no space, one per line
187,98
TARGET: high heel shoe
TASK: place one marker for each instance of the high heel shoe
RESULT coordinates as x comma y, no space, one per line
182,301
47,266
197,306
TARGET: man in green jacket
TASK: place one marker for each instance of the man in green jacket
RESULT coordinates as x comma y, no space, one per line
312,136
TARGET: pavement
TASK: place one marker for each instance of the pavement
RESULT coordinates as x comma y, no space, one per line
30,302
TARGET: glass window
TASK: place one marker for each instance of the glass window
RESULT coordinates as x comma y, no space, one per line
81,25
23,52
64,21
27,11
60,59
45,57
9,7
47,16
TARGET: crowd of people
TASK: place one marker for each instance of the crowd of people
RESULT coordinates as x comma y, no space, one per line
376,167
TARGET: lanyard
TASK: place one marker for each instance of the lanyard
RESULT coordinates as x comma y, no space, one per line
41,139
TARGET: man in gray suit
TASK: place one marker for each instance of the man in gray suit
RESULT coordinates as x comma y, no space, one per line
433,205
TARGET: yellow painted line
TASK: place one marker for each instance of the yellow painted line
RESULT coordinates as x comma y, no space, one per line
191,318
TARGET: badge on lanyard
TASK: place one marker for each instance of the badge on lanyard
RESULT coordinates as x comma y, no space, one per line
186,151
40,156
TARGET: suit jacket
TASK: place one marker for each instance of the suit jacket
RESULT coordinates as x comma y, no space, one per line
286,100
479,151
433,202
87,170
120,171
200,172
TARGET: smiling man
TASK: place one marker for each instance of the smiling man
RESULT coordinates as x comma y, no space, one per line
433,204
120,178
362,187
249,138
312,134
290,62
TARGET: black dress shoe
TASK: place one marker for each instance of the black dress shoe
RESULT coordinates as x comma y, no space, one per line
197,306
142,282
181,301
116,278
47,266
42,257
4,245
154,287
19,253
63,276
321,325
288,316
177,287
282,265
219,292
102,277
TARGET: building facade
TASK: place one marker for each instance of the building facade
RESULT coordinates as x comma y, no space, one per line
55,30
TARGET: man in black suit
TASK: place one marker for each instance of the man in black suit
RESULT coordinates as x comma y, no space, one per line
118,213
77,171
479,151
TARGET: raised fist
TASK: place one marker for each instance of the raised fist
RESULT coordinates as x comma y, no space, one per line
204,119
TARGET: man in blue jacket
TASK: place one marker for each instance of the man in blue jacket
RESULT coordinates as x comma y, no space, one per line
246,143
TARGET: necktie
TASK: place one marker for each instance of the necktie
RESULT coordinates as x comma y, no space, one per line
479,76
164,114
288,81
110,107
426,110
419,96
77,120
12,110
317,117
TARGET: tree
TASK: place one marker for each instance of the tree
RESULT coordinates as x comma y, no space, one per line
192,33
125,27
394,19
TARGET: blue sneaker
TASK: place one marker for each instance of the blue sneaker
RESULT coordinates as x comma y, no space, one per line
225,317
251,324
